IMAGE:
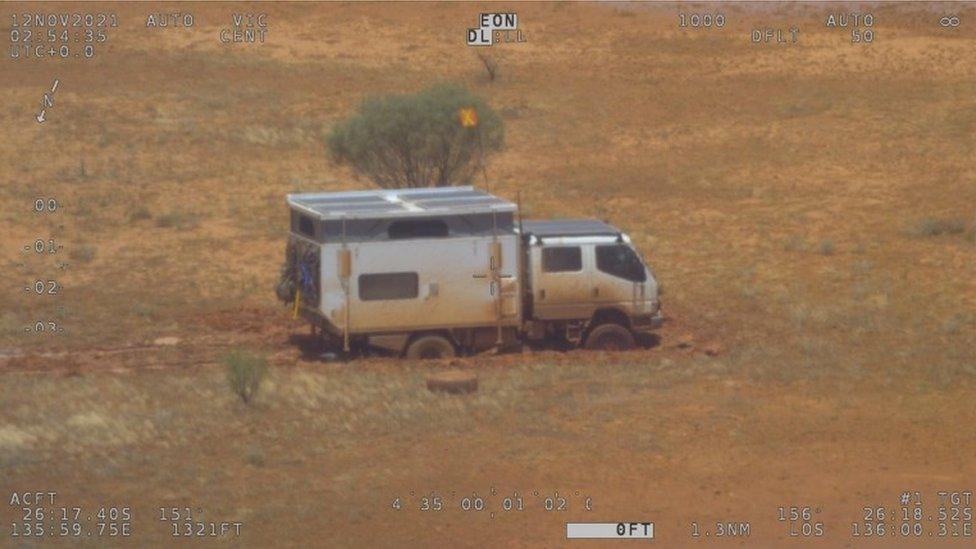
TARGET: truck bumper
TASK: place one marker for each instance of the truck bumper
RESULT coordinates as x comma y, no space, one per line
646,323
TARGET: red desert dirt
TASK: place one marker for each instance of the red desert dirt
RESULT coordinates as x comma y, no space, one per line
808,208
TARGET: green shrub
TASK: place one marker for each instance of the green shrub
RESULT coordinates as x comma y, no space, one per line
245,371
417,140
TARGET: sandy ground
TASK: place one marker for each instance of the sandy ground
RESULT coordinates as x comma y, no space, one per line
808,207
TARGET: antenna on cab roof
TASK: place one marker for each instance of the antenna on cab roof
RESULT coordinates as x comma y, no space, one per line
518,203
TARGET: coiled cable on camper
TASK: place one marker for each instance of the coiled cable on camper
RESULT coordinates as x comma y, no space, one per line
306,281
286,287
306,274
299,275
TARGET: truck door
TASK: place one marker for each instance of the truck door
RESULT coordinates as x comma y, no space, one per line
619,279
561,281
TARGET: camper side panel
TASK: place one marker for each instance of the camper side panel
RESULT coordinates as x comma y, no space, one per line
410,285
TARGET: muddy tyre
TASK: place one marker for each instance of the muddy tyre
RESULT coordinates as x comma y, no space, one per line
430,347
609,337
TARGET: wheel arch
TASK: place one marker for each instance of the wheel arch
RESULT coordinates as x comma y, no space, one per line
606,315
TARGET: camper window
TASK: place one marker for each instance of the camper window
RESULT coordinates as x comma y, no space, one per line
388,286
560,259
417,228
306,226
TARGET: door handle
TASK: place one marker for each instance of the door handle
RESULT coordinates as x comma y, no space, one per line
542,294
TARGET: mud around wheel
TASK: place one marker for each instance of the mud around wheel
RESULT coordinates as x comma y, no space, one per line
609,337
430,347
453,381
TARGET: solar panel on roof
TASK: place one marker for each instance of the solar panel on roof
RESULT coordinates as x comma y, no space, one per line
398,203
425,195
327,208
345,200
454,201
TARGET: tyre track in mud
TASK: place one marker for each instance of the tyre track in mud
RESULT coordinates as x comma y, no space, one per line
203,338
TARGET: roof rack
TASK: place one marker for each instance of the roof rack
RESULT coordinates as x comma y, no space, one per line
569,227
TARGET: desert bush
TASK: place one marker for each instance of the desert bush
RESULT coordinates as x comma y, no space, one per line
140,214
144,310
245,371
827,247
490,62
83,253
417,140
178,220
255,456
937,227
795,243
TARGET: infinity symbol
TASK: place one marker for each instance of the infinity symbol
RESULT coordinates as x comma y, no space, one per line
949,21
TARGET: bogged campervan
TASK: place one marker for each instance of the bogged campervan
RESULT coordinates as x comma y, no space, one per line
435,272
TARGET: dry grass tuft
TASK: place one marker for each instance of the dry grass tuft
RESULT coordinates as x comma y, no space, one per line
938,227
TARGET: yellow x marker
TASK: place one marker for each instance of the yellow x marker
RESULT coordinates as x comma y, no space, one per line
468,117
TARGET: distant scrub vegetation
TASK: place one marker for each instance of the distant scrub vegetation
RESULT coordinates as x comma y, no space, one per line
937,227
245,372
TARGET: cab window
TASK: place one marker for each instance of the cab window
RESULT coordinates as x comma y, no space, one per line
620,261
562,259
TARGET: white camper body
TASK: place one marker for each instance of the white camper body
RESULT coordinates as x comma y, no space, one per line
411,285
416,260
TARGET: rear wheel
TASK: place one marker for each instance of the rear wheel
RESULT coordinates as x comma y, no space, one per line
430,347
609,337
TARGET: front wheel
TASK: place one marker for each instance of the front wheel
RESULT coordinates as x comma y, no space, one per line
430,347
609,337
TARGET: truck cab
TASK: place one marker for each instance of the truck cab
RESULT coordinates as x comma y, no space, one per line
587,284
